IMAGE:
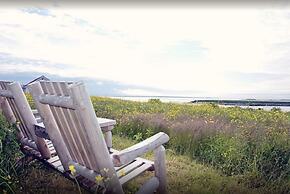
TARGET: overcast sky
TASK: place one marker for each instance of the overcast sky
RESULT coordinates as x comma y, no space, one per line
228,52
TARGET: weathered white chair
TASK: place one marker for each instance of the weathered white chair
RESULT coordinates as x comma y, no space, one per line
73,127
17,111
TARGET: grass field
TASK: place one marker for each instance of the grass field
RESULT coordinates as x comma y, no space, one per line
211,150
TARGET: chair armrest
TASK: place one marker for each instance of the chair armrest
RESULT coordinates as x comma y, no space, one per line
131,153
106,123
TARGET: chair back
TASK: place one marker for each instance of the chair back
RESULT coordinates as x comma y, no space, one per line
71,122
17,110
25,126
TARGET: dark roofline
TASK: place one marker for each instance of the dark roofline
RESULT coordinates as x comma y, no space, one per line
36,79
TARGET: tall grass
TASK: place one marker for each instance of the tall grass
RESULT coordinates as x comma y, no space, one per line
9,153
252,143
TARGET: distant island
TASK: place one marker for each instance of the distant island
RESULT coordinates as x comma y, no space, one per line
248,102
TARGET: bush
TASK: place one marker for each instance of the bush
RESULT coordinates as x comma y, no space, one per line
273,158
158,101
276,109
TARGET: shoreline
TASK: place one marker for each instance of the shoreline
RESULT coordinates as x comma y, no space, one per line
245,102
284,104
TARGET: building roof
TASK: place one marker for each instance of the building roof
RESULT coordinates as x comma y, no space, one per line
36,79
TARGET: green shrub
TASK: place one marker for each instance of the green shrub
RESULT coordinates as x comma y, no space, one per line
273,157
158,101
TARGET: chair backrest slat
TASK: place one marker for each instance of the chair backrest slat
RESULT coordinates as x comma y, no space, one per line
21,123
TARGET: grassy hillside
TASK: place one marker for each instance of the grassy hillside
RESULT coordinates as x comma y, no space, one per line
211,150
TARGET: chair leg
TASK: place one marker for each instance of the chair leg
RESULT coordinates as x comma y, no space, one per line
160,169
149,187
108,138
43,148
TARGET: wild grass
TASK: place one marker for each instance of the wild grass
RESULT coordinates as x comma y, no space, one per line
250,143
184,176
9,153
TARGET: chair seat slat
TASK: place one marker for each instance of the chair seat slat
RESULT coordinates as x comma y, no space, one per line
135,173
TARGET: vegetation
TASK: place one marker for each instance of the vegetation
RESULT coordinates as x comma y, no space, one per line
211,149
196,178
253,144
9,153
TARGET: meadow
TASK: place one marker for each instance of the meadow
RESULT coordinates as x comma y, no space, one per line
252,144
211,149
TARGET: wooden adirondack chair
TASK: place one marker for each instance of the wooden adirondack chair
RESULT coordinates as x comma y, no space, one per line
17,111
73,127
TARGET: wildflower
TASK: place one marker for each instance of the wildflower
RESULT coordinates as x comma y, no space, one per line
99,178
72,169
106,170
122,172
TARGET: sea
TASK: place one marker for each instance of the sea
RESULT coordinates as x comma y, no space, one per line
177,99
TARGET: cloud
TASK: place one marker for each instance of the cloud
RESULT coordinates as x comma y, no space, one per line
185,51
10,63
39,11
256,77
9,59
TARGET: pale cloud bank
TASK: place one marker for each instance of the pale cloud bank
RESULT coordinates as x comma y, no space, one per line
213,52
